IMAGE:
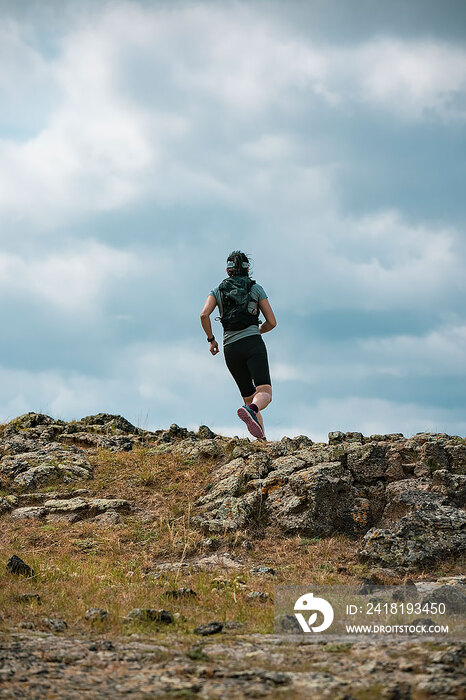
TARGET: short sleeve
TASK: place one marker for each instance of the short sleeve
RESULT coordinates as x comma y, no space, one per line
259,292
214,293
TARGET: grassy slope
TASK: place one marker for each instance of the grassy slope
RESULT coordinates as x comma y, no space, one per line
85,564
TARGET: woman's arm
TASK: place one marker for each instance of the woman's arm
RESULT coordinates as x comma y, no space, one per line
270,320
209,306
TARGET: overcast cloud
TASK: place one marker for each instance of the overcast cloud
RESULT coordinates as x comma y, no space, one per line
141,142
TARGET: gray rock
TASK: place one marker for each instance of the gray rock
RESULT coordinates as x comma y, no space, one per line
407,496
258,595
418,539
105,423
110,517
54,624
335,437
27,512
287,624
150,615
434,455
46,473
312,501
45,463
5,506
453,486
29,598
233,625
427,621
36,422
453,598
209,563
198,449
209,628
263,570
15,565
75,509
367,462
26,625
177,432
182,592
457,457
93,614
205,433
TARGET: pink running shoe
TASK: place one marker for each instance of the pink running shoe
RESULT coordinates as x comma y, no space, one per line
249,417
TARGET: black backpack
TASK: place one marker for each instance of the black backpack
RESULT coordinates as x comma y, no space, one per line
235,294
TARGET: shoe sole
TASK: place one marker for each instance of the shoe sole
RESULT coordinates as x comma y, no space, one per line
253,427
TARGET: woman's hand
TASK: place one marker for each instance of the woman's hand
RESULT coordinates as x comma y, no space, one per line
214,347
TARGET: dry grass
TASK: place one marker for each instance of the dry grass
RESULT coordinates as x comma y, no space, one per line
83,565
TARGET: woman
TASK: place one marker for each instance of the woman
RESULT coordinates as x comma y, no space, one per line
239,300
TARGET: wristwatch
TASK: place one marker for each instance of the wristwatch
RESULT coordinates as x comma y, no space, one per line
209,340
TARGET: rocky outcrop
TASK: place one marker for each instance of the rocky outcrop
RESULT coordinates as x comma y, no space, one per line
37,465
36,450
70,508
404,498
102,430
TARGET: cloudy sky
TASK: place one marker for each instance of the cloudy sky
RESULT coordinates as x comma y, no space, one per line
141,142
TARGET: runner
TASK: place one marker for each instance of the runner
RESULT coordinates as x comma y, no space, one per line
240,299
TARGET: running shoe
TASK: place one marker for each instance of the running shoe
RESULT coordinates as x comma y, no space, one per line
249,417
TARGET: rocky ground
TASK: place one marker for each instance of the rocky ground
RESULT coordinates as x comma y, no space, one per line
112,518
227,666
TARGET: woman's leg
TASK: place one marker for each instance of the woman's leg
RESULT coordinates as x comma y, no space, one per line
247,361
258,366
261,398
248,400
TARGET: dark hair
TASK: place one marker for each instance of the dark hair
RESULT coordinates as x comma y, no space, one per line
238,258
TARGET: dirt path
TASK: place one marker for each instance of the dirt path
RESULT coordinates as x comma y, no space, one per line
40,665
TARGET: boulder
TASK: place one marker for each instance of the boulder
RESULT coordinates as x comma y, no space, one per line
198,449
419,538
457,457
409,495
315,501
29,512
453,599
74,509
205,433
46,463
451,485
5,506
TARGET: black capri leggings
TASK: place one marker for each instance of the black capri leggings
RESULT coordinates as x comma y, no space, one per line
248,363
